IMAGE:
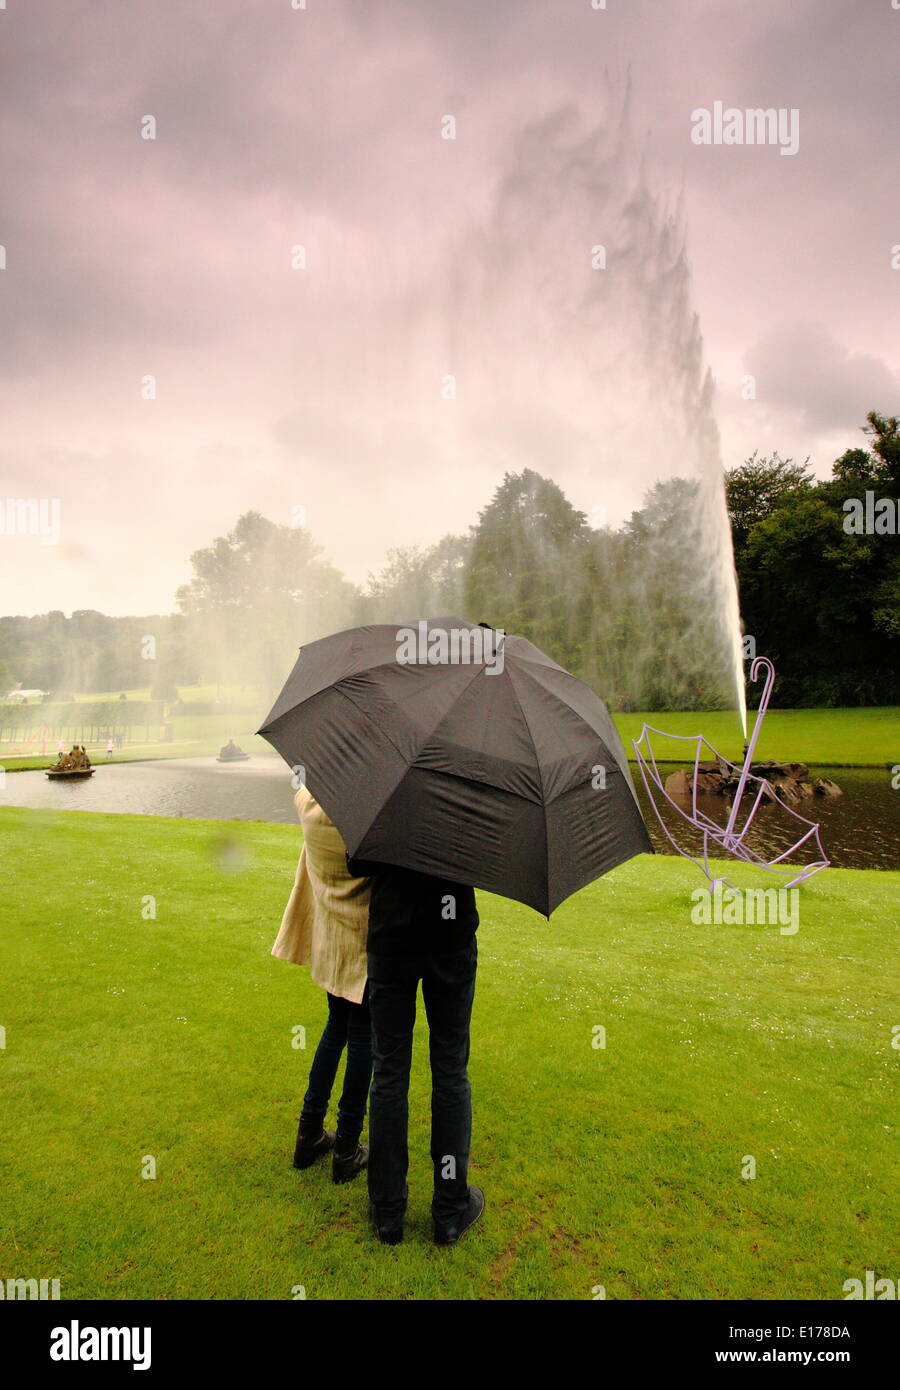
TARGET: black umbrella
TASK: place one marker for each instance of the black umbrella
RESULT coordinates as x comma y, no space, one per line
445,747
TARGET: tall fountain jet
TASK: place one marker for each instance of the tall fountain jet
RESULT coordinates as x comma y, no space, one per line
569,325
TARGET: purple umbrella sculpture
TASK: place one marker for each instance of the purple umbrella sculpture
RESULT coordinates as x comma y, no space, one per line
730,838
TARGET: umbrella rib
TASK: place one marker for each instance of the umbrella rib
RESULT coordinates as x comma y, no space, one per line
537,763
335,689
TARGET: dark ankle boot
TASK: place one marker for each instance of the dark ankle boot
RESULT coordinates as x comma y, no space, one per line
348,1160
388,1232
312,1142
450,1232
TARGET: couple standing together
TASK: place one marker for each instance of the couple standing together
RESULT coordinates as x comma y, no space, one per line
370,932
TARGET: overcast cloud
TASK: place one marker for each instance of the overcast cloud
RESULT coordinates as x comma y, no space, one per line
279,387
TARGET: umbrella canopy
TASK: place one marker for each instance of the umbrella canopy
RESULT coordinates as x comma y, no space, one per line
479,760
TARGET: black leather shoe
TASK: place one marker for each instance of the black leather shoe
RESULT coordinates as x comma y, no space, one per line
312,1145
345,1166
449,1234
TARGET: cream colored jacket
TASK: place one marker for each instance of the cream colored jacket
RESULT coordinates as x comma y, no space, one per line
326,920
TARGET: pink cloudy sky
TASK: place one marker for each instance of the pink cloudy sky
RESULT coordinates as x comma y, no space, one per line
279,388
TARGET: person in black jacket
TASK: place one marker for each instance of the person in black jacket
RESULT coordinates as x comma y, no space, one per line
420,928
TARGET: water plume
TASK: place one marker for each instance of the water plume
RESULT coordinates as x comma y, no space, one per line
569,325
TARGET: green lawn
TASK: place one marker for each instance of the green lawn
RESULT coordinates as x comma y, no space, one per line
840,737
618,1167
194,737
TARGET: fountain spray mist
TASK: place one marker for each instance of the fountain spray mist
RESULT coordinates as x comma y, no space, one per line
568,316
543,327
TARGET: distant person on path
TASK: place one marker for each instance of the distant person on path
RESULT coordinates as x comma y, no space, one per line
420,928
325,926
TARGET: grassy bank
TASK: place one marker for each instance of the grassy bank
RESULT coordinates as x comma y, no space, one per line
177,747
193,735
131,1037
822,737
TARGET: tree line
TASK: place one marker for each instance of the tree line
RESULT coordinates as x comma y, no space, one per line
628,609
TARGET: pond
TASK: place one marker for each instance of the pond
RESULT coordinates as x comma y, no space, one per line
860,830
199,788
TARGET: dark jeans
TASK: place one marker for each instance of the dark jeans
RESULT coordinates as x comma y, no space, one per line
348,1024
448,988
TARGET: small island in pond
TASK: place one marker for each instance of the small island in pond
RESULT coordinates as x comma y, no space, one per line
785,782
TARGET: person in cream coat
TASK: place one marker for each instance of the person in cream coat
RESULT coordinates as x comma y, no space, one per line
325,926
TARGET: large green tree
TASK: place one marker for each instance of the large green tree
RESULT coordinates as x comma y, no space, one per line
419,581
256,595
529,559
757,487
821,599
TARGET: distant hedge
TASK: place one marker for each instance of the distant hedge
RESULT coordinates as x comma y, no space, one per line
92,717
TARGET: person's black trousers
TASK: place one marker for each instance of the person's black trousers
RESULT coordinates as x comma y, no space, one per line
348,1025
448,989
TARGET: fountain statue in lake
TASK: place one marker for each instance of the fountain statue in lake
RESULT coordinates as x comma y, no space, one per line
232,752
71,767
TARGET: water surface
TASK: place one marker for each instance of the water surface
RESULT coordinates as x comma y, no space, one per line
860,830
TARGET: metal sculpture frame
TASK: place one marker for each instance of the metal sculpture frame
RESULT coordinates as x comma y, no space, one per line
730,838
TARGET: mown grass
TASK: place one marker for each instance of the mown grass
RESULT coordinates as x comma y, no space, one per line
194,736
836,737
129,1036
